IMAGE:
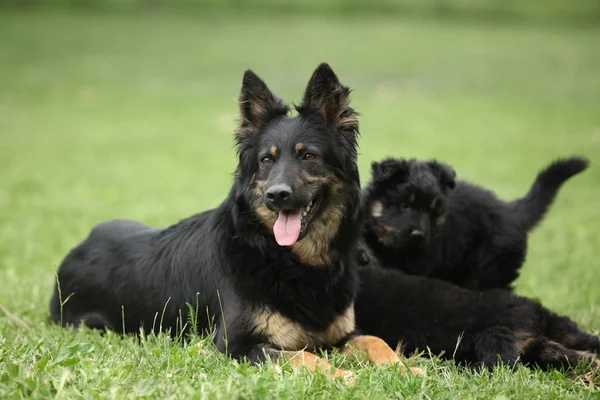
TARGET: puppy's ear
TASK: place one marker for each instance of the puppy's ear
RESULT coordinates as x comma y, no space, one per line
326,96
389,169
257,106
445,174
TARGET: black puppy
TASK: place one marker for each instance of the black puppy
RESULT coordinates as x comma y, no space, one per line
272,266
475,328
422,221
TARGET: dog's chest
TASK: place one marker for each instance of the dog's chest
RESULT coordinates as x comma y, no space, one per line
292,335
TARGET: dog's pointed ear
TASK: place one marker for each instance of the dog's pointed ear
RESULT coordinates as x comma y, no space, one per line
258,105
389,168
445,174
325,95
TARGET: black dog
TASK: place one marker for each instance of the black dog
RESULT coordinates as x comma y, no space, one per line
424,222
475,328
272,266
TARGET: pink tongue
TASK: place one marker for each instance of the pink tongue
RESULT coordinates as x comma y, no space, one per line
287,227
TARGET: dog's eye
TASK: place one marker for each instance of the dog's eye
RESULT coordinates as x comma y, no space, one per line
309,156
266,160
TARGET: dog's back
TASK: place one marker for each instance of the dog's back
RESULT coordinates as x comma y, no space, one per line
124,269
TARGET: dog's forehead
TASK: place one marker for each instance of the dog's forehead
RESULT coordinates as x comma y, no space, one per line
289,132
423,181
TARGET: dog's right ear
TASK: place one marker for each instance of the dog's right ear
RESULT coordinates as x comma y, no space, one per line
445,174
388,169
257,106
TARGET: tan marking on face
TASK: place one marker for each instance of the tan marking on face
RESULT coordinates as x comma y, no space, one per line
412,197
261,185
314,179
264,215
388,228
299,147
313,249
385,234
291,335
377,209
305,179
273,151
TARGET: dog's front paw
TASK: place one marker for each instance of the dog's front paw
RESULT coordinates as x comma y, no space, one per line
415,371
347,377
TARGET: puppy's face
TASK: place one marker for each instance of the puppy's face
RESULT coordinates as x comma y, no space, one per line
406,201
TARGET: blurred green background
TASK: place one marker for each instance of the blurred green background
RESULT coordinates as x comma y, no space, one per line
126,109
527,10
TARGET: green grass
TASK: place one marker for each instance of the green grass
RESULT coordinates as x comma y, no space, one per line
132,116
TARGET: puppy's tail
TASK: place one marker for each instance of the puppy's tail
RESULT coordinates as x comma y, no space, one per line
533,206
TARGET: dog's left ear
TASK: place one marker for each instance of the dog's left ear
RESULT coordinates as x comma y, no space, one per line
445,174
327,96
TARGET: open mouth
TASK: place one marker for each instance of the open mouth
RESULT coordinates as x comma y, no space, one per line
291,224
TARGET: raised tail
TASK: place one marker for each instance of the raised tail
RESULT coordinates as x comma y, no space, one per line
533,206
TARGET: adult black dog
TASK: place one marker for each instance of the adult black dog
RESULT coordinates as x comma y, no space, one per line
424,222
475,328
272,265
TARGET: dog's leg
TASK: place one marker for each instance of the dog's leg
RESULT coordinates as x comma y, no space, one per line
376,350
96,320
315,364
550,354
495,345
566,332
260,353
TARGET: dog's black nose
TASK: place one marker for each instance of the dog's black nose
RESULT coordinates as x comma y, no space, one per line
279,195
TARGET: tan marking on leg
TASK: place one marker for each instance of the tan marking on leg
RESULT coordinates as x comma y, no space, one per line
590,356
315,364
524,339
433,202
412,197
376,351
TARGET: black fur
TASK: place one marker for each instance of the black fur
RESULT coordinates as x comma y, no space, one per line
225,262
475,328
422,221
